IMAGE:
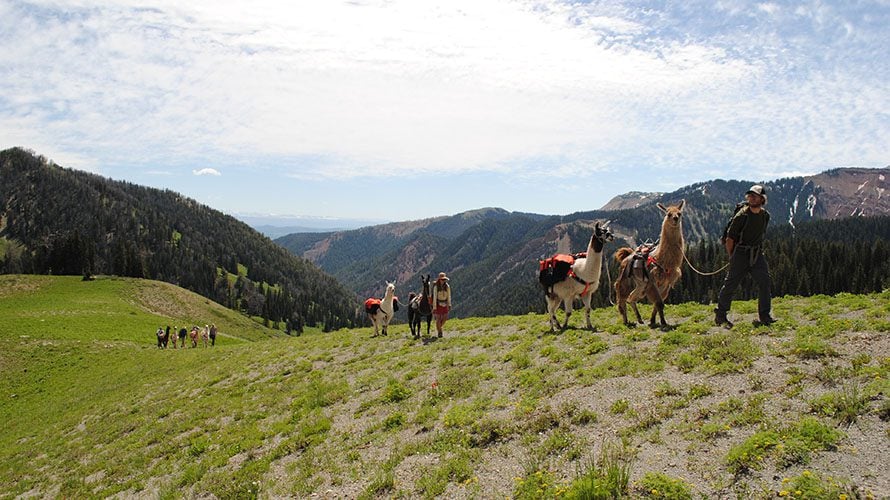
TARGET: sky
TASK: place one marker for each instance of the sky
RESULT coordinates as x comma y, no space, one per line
396,110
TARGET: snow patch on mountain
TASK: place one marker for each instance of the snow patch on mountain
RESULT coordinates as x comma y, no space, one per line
811,204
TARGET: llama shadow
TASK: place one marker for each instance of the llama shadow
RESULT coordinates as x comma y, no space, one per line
661,328
429,340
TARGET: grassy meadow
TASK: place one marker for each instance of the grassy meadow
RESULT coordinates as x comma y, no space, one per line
499,408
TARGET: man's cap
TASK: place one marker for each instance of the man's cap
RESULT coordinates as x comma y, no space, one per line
757,189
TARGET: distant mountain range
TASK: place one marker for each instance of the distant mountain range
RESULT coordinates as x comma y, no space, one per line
275,226
492,254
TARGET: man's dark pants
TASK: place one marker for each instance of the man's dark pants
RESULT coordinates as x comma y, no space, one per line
739,265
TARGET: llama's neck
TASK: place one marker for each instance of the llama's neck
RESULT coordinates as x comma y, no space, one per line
671,245
386,303
589,269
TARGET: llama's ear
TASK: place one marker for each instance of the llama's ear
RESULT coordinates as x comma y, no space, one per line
682,204
661,207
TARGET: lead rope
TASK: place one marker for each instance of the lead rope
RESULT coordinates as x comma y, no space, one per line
608,279
700,272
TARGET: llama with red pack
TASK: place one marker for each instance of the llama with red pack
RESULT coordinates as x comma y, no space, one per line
381,311
566,277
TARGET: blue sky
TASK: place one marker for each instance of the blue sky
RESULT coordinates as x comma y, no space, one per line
405,109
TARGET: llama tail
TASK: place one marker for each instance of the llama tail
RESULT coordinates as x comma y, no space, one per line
621,253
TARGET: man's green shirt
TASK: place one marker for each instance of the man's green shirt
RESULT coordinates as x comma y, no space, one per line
748,228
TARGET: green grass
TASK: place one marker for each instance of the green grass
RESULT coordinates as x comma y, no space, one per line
499,407
789,445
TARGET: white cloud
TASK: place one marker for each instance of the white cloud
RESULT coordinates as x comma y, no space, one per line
206,171
386,87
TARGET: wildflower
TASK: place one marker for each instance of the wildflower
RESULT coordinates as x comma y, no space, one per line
783,493
806,473
654,491
842,497
785,480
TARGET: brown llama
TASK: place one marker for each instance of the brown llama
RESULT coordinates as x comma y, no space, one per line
654,277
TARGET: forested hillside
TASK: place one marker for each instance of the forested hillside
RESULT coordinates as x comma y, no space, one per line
816,257
59,221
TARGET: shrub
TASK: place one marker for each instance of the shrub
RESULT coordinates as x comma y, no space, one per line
792,445
488,430
394,421
395,391
845,405
810,346
687,362
809,485
726,352
664,388
750,454
698,391
457,468
537,484
606,477
713,430
458,382
658,485
620,406
462,415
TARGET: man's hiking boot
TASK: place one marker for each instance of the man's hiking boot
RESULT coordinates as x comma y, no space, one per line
720,319
765,321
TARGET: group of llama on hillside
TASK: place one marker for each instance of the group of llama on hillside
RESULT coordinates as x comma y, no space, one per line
647,272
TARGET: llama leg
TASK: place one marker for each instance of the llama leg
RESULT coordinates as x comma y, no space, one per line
622,309
621,296
569,304
552,306
657,307
633,306
633,298
586,301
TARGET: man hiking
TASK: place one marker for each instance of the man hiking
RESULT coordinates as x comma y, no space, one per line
744,244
